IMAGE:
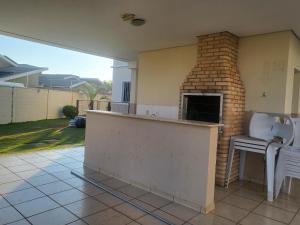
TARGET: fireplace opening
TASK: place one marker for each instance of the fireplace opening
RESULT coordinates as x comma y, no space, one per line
202,107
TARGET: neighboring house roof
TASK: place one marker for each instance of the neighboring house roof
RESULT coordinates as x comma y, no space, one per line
13,70
60,81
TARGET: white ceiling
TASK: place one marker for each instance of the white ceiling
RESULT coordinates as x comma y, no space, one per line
95,26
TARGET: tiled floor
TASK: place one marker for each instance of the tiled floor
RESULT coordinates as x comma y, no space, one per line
38,188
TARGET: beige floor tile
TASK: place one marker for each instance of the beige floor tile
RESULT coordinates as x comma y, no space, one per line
90,189
7,178
230,212
220,194
241,202
130,211
108,199
180,211
210,219
256,196
132,191
296,220
31,173
285,204
143,204
21,222
253,219
274,213
86,207
9,215
56,216
107,217
22,168
23,196
149,220
78,222
69,196
54,187
40,180
36,206
154,200
170,218
3,203
14,186
114,183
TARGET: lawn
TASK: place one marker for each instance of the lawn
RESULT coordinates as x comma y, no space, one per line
39,135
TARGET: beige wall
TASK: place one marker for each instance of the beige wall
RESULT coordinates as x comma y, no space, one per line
160,74
266,64
263,61
30,104
5,105
172,159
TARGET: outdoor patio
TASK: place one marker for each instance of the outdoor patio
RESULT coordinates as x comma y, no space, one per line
38,188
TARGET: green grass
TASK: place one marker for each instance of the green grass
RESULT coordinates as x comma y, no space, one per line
39,135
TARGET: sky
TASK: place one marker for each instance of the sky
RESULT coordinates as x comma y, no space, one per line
57,60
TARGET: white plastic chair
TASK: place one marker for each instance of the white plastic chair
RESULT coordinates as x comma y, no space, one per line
288,164
263,128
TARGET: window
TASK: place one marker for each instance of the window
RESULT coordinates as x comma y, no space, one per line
126,92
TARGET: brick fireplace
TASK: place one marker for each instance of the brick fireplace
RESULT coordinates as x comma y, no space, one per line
216,73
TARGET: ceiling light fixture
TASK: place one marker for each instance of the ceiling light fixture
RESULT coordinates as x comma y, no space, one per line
133,20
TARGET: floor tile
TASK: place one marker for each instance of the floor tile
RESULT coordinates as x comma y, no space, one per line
44,164
114,183
31,173
274,213
40,180
56,168
36,206
54,187
296,220
132,191
107,217
108,199
73,165
3,203
256,196
210,219
285,204
220,195
254,219
97,176
65,160
21,168
23,196
69,196
57,216
130,211
180,211
4,171
143,205
8,178
154,200
14,186
63,175
75,182
20,222
230,212
78,222
149,220
167,217
9,215
86,207
241,202
90,189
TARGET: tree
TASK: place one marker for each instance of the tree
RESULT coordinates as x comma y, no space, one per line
91,91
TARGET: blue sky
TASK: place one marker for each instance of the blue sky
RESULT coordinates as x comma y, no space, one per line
57,60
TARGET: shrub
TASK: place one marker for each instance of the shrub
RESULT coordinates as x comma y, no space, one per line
70,111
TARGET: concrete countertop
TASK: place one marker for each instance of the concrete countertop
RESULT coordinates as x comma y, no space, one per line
153,118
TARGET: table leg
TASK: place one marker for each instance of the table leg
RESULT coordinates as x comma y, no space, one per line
271,153
242,164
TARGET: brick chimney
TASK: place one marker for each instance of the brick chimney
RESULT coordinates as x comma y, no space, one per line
216,72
